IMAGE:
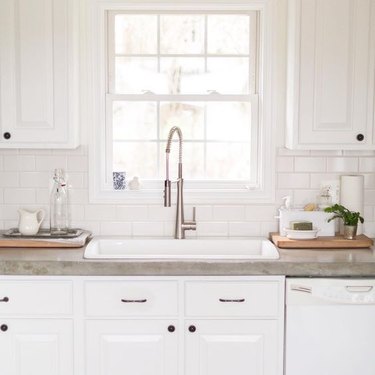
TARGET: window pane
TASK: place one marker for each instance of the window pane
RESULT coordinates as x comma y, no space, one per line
228,161
181,34
228,34
229,121
134,75
136,159
192,159
135,34
183,75
228,75
134,120
188,116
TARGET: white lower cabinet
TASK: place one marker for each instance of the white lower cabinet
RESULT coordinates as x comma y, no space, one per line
36,347
136,347
141,325
238,347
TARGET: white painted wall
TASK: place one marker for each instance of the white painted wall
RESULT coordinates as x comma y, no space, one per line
25,177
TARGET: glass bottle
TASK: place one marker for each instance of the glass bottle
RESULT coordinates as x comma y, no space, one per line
59,204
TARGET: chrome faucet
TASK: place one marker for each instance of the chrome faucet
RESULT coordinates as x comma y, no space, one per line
181,224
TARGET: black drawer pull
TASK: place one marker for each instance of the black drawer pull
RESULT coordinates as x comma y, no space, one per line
7,135
5,299
360,137
134,300
239,300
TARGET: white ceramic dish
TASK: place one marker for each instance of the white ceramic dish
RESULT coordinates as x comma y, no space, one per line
301,234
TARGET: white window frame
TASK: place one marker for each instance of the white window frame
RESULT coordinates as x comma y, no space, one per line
227,192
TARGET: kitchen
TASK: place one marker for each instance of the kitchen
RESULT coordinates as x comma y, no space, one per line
26,169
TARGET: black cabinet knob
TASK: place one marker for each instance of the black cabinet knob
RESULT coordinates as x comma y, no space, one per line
192,328
5,299
4,327
171,328
6,135
360,137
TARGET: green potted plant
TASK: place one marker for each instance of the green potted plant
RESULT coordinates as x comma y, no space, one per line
350,219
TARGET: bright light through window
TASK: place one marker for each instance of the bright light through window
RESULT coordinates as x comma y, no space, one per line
194,70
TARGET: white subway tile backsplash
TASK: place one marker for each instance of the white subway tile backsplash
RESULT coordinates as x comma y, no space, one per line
19,196
326,153
342,165
161,213
78,196
285,164
43,196
261,213
9,212
310,164
77,163
131,213
282,151
369,197
35,179
77,180
228,213
367,165
212,229
26,175
316,179
369,182
9,179
19,163
203,213
50,163
293,180
244,229
148,229
269,227
98,212
113,228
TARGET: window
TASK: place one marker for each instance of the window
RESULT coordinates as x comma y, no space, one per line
199,69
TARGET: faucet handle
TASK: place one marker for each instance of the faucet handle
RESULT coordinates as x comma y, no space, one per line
190,224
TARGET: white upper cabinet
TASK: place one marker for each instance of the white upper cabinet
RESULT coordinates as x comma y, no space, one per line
331,48
39,73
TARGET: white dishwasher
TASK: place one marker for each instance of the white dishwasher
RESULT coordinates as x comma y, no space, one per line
330,327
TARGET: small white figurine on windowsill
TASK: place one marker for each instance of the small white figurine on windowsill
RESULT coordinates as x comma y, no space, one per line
134,184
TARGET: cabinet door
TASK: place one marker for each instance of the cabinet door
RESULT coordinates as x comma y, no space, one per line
238,347
331,74
38,76
36,347
131,347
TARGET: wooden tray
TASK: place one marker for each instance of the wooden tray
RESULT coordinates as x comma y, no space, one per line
47,243
333,242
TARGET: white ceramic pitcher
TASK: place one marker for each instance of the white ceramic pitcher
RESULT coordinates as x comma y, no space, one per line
29,224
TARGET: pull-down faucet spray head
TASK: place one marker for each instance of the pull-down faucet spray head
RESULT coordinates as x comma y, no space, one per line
167,182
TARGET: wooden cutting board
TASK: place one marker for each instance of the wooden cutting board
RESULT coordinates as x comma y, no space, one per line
333,242
47,243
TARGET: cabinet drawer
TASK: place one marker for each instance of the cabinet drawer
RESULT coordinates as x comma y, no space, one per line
131,298
30,297
251,299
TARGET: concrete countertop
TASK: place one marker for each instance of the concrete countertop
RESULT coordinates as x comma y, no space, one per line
35,261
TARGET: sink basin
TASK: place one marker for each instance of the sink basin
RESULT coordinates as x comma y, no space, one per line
162,248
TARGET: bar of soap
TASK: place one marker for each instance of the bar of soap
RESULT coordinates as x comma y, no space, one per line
301,225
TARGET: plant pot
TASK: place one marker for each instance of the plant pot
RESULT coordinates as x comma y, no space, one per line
350,232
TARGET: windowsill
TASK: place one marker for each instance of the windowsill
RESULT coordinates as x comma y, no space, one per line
243,196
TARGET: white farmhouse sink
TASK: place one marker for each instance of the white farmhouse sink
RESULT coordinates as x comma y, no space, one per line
162,248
